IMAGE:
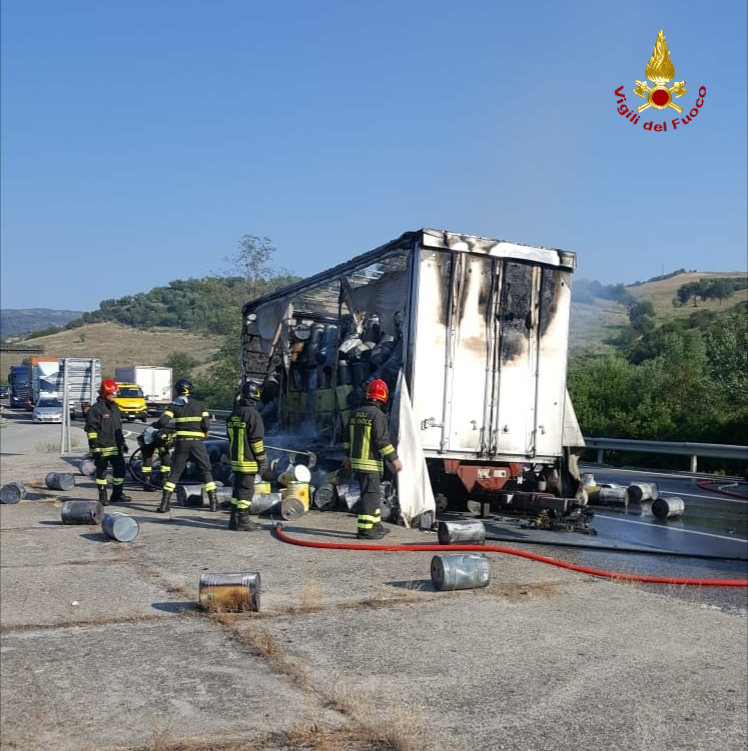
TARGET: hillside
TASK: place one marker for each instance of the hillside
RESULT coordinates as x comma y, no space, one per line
118,345
661,293
16,322
591,325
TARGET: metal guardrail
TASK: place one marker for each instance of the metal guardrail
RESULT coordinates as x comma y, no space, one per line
693,450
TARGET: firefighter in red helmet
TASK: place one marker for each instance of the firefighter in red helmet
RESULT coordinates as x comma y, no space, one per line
367,445
106,442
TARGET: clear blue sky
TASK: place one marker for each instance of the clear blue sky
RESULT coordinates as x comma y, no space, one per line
142,139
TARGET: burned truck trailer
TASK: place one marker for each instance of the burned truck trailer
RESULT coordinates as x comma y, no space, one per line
471,332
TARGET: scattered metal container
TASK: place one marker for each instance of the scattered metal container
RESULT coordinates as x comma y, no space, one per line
59,481
292,508
81,512
613,497
588,480
87,467
120,527
298,490
668,508
460,571
295,473
190,495
12,492
266,503
643,491
325,497
472,530
230,592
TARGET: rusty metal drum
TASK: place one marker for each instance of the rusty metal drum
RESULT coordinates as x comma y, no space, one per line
233,592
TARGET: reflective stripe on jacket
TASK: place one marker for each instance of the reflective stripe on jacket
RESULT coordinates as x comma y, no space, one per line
189,418
367,441
245,431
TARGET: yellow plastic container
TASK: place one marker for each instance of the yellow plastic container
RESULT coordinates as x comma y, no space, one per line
261,488
298,490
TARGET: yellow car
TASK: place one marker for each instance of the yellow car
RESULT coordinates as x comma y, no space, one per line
131,402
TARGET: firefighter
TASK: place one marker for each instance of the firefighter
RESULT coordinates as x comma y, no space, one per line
246,431
190,422
367,445
155,442
106,442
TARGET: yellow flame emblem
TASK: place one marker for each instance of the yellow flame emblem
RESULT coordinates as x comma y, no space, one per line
659,71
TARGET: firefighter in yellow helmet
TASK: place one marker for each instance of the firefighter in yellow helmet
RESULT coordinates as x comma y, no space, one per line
106,442
367,444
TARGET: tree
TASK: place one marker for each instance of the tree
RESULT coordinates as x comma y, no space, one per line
251,262
181,364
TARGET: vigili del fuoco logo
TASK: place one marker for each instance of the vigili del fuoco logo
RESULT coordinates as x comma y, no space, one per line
660,71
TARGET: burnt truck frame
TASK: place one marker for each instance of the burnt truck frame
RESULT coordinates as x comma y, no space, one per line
477,328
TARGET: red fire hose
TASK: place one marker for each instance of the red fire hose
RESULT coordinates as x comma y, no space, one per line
508,551
709,485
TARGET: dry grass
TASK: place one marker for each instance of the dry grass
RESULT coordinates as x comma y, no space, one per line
525,592
117,345
311,598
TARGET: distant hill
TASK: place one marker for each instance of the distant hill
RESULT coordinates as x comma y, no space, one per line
116,345
16,322
595,319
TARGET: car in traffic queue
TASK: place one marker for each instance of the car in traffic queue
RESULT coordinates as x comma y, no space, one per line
131,402
47,409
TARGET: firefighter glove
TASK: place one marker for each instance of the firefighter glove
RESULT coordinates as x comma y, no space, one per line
124,448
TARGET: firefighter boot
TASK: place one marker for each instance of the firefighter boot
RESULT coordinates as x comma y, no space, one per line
103,500
213,500
232,517
165,501
243,522
118,496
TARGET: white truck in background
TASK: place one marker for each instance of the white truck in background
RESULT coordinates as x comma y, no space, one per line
154,380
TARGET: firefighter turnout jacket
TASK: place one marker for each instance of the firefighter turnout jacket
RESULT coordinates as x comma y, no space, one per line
191,420
368,440
104,428
246,431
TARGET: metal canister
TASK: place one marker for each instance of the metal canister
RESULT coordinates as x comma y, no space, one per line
265,503
87,467
120,527
292,508
81,512
298,490
59,481
12,492
643,491
325,497
668,508
190,495
460,571
230,592
613,497
472,530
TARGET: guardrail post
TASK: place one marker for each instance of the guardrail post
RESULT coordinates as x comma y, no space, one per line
693,464
600,456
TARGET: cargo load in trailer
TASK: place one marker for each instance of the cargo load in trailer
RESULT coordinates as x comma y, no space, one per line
471,335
